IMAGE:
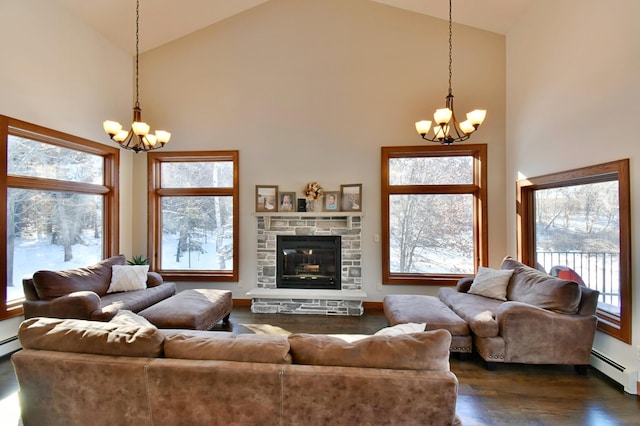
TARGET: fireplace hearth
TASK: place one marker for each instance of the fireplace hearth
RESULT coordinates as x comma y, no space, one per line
308,262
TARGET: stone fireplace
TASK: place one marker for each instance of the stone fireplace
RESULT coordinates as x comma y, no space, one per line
314,279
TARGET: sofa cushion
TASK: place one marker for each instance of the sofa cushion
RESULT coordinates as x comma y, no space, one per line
134,301
428,350
96,278
469,307
92,337
228,347
128,278
528,285
491,283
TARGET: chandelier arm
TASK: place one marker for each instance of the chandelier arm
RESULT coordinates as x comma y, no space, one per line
450,48
137,51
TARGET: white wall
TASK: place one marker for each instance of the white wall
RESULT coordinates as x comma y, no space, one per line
60,74
573,88
311,91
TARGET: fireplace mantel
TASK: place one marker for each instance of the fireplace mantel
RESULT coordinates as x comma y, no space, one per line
304,215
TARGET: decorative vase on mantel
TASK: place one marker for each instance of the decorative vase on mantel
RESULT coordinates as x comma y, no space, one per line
311,205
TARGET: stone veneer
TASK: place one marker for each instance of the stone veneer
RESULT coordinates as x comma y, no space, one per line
309,301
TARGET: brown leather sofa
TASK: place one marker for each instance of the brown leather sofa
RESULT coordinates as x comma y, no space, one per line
544,319
82,293
105,373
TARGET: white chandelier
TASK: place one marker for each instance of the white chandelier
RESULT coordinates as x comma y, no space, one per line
447,130
138,137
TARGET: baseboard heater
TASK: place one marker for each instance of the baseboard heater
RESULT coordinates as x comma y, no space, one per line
615,371
8,346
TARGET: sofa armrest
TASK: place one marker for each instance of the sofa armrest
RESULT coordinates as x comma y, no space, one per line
464,284
154,279
535,335
79,304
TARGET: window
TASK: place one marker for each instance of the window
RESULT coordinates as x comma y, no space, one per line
60,204
194,205
576,225
433,213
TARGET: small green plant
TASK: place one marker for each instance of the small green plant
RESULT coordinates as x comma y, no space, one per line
138,260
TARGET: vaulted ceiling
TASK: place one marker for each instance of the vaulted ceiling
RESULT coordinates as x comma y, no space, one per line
162,21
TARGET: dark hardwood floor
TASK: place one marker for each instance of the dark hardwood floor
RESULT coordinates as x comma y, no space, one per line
513,394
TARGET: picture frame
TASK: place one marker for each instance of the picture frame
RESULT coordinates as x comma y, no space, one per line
286,201
351,197
331,201
266,198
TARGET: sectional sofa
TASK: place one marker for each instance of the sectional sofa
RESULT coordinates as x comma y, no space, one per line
127,372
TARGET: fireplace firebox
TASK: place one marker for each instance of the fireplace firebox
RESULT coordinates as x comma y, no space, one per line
308,262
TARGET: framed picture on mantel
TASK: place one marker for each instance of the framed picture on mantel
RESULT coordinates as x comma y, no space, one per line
331,201
351,197
266,198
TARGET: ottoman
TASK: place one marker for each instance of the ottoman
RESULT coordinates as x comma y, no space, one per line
405,308
191,309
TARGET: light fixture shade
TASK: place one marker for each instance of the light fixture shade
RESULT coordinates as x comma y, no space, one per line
140,128
476,117
111,127
440,132
423,126
442,116
163,136
120,136
467,127
150,140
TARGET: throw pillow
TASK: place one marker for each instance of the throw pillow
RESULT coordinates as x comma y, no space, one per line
398,329
491,283
428,350
125,317
128,278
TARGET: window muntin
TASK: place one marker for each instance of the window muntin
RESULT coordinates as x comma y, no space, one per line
578,221
59,204
433,213
194,221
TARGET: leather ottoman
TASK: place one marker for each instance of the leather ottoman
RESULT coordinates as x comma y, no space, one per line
406,308
199,309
